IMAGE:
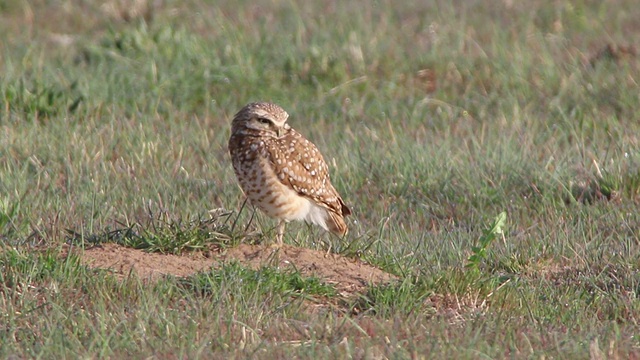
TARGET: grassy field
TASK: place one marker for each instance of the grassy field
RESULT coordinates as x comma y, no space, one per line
435,117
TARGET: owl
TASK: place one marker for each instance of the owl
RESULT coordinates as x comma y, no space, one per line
281,172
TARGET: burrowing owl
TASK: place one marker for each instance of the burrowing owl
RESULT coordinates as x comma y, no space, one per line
282,173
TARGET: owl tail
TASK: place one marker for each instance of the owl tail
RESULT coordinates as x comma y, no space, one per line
335,223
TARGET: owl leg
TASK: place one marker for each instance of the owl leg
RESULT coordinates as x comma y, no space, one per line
280,233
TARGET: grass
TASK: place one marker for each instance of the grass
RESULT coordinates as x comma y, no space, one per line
434,117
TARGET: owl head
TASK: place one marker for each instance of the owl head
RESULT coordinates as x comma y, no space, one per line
260,118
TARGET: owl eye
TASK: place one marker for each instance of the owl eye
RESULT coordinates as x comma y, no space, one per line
264,120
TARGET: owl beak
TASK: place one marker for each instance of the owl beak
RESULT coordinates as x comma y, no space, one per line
283,129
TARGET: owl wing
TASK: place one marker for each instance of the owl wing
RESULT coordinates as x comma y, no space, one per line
299,165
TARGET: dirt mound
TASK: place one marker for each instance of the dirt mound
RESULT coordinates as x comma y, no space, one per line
347,275
344,273
123,260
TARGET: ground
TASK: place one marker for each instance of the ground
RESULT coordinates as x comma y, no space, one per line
434,117
349,276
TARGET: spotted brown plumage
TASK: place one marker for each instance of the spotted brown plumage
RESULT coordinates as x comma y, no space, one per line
281,172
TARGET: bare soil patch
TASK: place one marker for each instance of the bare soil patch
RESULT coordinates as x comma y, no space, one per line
346,274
